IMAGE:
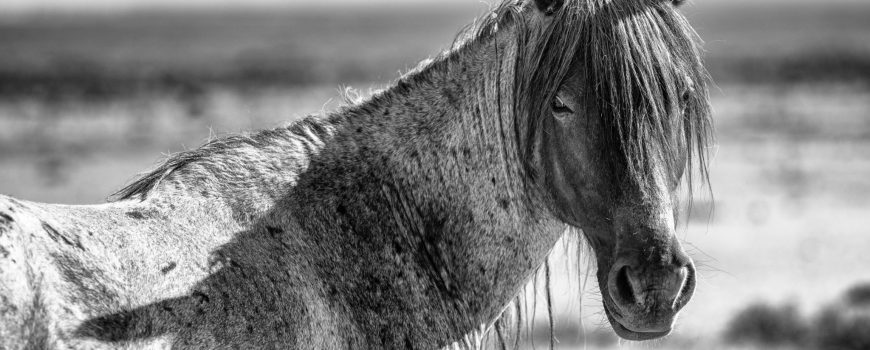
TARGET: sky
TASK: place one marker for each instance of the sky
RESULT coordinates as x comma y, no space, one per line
11,7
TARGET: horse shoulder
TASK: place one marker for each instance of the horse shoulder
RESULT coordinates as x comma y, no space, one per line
62,265
25,320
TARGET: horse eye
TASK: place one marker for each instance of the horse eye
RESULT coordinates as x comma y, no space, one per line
686,97
559,106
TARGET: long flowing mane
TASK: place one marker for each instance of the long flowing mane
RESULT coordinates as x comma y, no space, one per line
644,69
643,74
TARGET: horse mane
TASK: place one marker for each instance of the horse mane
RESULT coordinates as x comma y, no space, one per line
308,133
648,81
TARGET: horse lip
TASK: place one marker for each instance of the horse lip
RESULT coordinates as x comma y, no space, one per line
628,334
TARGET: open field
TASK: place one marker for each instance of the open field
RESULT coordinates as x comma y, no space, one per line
101,55
86,103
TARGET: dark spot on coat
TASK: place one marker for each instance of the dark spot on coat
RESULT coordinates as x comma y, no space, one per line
385,336
6,306
200,297
135,215
452,100
89,282
397,247
504,203
58,237
274,231
168,267
3,253
5,219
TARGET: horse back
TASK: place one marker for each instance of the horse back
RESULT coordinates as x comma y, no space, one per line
24,317
135,275
51,276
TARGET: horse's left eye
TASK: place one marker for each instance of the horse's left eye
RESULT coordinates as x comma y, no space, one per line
686,96
559,106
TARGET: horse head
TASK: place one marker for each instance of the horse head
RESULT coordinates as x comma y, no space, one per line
613,143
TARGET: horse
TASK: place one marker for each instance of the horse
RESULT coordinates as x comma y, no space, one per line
409,219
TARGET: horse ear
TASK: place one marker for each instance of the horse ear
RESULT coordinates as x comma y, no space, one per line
549,7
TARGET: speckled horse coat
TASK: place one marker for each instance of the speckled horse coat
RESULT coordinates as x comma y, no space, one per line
404,221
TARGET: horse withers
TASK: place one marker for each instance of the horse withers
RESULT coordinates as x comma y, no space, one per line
407,220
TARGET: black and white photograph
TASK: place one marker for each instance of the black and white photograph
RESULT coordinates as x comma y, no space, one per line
435,174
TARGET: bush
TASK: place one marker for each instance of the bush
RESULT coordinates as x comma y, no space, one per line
858,296
843,327
767,325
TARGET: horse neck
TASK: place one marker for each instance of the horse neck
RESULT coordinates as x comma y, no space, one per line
427,173
422,178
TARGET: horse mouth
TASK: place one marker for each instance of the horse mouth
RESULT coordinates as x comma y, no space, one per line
632,335
652,319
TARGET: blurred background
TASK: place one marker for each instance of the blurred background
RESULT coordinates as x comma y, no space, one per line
93,92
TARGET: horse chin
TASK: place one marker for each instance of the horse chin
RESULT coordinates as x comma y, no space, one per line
628,334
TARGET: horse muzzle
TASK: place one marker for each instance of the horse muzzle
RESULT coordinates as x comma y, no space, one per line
642,300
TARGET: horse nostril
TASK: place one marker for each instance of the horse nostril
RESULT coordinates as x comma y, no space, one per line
681,259
624,288
687,284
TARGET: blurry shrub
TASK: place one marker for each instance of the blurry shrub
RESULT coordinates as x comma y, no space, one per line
845,325
842,328
767,325
859,295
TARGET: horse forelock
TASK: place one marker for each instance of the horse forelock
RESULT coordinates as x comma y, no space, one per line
646,79
641,62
